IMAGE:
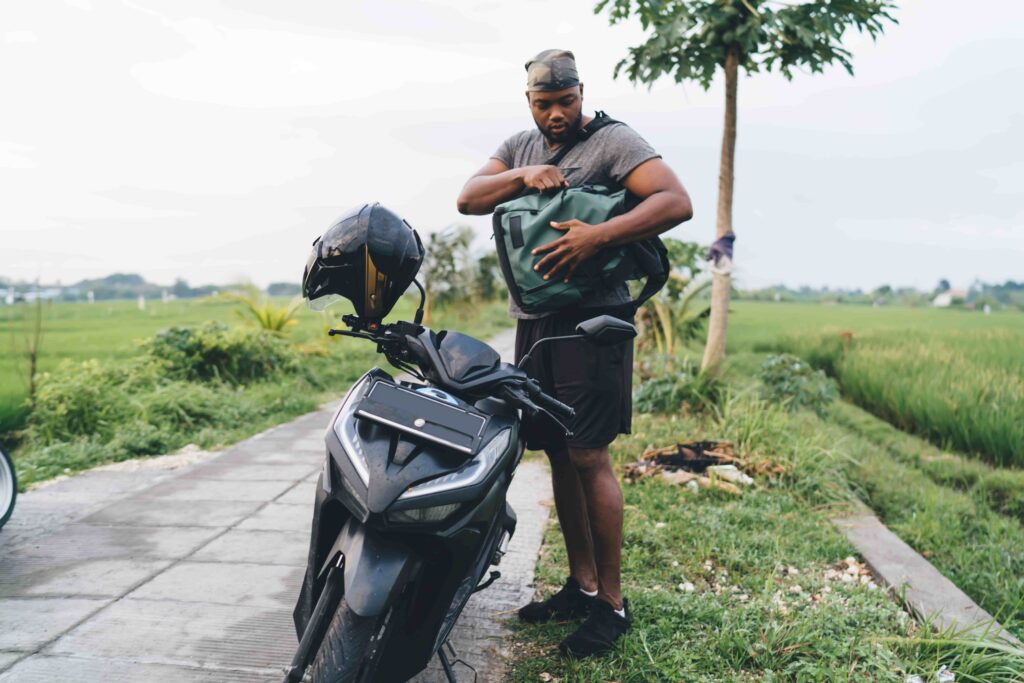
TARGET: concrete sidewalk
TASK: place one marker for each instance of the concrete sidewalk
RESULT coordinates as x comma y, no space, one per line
187,567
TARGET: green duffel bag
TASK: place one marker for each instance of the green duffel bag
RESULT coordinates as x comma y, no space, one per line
524,223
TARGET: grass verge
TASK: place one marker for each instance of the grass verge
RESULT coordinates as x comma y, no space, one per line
752,588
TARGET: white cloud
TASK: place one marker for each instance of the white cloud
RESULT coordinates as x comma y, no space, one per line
256,67
13,155
23,36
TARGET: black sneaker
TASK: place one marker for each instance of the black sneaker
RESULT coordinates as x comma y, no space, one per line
599,632
568,603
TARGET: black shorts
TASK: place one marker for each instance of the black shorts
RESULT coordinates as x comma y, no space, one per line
595,380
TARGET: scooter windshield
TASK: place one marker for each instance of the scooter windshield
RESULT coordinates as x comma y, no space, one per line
466,358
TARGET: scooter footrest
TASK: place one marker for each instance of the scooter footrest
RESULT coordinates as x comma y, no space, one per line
494,577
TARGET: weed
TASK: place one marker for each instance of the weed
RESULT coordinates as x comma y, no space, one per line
265,313
670,384
796,384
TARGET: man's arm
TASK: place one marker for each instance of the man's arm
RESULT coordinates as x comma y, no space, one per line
664,205
496,183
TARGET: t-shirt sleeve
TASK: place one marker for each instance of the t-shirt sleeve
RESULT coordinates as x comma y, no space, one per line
506,151
626,150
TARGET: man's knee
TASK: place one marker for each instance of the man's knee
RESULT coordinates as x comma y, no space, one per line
589,459
558,456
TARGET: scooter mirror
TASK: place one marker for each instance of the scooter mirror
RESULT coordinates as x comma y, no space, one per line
606,330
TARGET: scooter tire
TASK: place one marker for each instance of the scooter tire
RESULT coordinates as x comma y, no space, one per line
8,486
345,655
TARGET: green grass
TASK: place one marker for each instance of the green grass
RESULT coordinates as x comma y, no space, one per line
110,402
755,323
751,617
953,377
1001,490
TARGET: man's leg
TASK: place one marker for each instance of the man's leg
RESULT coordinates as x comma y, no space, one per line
573,518
604,505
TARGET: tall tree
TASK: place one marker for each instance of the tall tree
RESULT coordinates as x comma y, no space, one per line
690,40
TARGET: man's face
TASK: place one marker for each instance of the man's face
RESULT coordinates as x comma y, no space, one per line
557,114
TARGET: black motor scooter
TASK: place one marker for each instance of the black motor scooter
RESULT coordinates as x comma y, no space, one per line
411,508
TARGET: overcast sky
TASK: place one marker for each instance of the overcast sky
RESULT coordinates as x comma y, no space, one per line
214,140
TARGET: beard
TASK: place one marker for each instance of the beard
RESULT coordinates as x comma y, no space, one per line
568,134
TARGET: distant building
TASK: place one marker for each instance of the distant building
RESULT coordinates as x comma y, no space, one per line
949,297
48,294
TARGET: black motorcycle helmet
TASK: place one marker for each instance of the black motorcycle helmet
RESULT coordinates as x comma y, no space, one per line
368,256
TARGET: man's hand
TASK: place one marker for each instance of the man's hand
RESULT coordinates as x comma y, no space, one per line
580,242
543,178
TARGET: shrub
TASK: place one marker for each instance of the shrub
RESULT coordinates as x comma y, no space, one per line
795,383
83,399
184,405
669,384
139,406
218,352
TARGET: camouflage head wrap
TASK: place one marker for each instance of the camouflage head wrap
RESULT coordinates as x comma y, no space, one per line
551,70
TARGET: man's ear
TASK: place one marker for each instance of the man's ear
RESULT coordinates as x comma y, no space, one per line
581,92
528,99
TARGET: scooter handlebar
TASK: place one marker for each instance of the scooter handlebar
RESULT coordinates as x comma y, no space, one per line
553,404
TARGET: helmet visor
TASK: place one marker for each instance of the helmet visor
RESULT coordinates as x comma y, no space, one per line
323,302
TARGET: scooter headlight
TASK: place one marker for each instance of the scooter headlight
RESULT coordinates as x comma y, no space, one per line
432,514
345,427
473,472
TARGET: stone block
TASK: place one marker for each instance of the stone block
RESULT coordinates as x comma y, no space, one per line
274,456
25,576
42,669
290,472
7,659
185,634
287,548
29,623
247,585
141,511
188,488
281,517
303,493
99,542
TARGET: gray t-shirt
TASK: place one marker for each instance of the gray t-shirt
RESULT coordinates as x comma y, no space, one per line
605,158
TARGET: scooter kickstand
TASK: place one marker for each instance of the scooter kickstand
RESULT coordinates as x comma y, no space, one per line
448,666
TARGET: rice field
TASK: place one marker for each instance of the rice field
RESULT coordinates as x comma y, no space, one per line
953,377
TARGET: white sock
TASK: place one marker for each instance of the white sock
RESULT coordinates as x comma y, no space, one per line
589,594
621,612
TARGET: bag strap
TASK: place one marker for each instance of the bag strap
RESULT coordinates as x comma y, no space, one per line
599,121
650,257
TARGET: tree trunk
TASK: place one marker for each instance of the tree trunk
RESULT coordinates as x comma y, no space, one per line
721,283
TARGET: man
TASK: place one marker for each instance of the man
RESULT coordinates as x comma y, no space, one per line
594,381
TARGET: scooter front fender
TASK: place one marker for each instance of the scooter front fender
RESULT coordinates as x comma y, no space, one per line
376,569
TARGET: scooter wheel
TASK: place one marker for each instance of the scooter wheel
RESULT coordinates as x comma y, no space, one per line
351,648
8,486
